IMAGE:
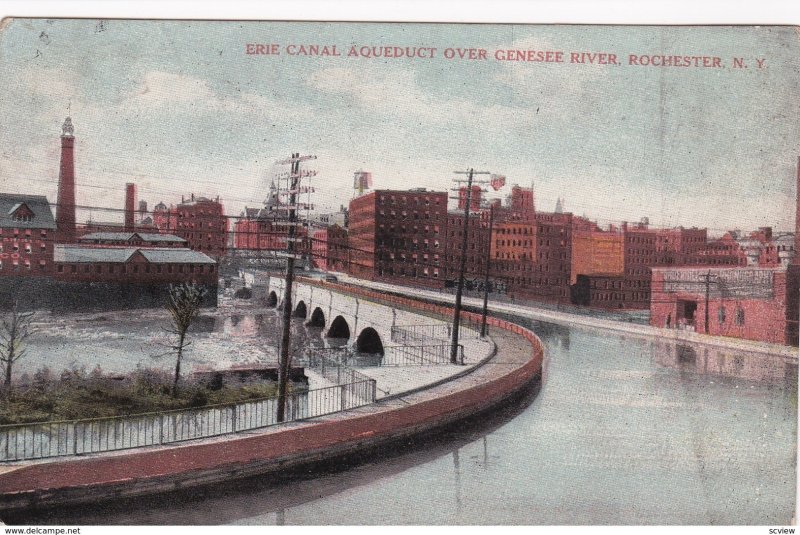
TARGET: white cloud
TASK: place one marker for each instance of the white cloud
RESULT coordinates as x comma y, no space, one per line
396,94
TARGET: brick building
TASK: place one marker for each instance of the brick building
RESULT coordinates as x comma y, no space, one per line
202,223
27,232
597,252
478,247
79,269
267,229
399,236
743,302
329,248
474,198
550,278
135,265
258,229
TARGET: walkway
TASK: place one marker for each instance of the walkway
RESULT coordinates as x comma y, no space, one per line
163,468
574,320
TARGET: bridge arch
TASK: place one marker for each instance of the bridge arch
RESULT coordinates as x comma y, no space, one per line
301,311
339,328
317,318
272,299
369,341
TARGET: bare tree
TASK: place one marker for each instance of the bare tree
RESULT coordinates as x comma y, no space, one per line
15,329
184,306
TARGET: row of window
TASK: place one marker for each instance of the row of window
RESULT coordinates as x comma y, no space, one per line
16,265
28,247
415,199
413,230
124,268
15,232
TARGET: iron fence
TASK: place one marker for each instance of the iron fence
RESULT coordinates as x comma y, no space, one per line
78,437
404,355
405,334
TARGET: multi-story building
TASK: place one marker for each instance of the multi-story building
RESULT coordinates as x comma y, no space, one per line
202,223
399,236
165,218
596,252
646,248
27,233
478,248
550,279
742,302
329,249
81,269
199,220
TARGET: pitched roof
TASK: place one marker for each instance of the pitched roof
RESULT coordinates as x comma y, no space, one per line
125,236
77,254
42,214
176,256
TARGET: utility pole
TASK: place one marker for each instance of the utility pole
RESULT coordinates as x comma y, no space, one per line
463,264
293,178
707,280
486,278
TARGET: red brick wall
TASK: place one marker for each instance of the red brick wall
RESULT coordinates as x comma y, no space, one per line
760,319
26,252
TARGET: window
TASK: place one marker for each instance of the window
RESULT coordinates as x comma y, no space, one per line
721,314
740,316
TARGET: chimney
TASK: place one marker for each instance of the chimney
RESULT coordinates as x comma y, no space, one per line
65,207
130,206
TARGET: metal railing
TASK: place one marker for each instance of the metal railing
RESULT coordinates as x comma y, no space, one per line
78,437
404,334
405,355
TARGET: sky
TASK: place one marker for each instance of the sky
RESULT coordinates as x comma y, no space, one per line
180,108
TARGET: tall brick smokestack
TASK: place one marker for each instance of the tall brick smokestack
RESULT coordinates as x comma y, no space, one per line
65,209
130,206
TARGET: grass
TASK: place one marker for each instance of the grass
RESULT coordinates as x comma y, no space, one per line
79,395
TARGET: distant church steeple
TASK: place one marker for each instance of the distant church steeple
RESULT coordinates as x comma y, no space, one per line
272,199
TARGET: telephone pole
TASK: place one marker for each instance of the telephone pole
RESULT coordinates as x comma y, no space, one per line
486,277
463,263
293,179
707,279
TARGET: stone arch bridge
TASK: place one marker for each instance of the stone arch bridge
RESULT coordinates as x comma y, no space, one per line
367,325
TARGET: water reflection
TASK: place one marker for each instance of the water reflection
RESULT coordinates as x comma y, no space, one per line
723,362
623,431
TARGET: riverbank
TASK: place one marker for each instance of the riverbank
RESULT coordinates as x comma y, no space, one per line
588,322
275,449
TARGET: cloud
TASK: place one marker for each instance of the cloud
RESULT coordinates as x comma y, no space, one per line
396,94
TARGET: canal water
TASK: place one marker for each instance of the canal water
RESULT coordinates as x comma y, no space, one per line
236,334
622,431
